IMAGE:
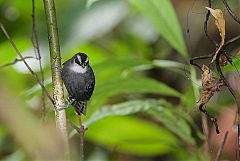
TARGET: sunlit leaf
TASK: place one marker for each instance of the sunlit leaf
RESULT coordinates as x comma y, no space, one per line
175,123
8,54
119,63
36,89
235,66
132,136
98,154
115,68
90,2
188,98
170,65
162,15
128,86
125,108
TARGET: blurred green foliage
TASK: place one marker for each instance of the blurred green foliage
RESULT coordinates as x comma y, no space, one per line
141,106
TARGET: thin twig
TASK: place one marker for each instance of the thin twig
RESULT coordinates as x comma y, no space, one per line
236,18
206,24
235,96
15,61
35,43
202,57
81,132
231,41
206,133
221,147
24,61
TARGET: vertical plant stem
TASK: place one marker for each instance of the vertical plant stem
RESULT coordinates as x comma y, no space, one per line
204,119
81,133
80,130
220,150
36,47
57,83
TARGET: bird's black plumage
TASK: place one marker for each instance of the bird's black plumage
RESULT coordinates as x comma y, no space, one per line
79,80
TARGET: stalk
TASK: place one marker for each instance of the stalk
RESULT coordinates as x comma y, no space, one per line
57,82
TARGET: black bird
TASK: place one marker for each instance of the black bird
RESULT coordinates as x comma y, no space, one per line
79,81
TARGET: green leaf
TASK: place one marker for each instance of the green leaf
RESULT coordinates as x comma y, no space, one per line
115,68
188,99
119,63
234,66
8,54
36,89
90,2
124,108
132,136
173,121
170,65
162,15
127,86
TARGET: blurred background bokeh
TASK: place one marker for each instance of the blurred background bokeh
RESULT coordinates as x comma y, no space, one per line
144,105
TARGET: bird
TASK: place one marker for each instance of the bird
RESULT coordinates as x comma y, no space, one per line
79,80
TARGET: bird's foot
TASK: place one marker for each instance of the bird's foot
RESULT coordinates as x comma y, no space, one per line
70,102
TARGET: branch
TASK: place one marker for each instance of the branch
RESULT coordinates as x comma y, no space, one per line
236,18
231,41
235,96
35,44
15,61
24,61
221,147
206,24
206,133
57,82
81,132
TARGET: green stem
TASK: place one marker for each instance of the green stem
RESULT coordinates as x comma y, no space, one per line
57,83
204,119
193,77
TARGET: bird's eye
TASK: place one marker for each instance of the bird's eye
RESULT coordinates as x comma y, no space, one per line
86,61
77,61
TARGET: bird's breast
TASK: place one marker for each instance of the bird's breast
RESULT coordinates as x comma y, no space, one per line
78,69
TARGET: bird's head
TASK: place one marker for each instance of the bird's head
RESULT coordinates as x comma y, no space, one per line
81,59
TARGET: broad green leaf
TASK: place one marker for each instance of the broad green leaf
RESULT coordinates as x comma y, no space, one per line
119,63
95,53
125,108
8,54
127,86
184,155
90,2
175,123
162,15
36,89
188,99
170,65
115,68
98,154
235,66
132,136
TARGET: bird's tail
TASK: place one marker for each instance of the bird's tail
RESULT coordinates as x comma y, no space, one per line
80,107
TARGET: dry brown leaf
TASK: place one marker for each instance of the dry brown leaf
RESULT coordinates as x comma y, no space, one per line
220,23
210,84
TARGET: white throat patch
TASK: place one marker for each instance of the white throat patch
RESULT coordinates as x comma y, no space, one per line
78,69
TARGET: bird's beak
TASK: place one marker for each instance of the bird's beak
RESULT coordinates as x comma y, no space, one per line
85,64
